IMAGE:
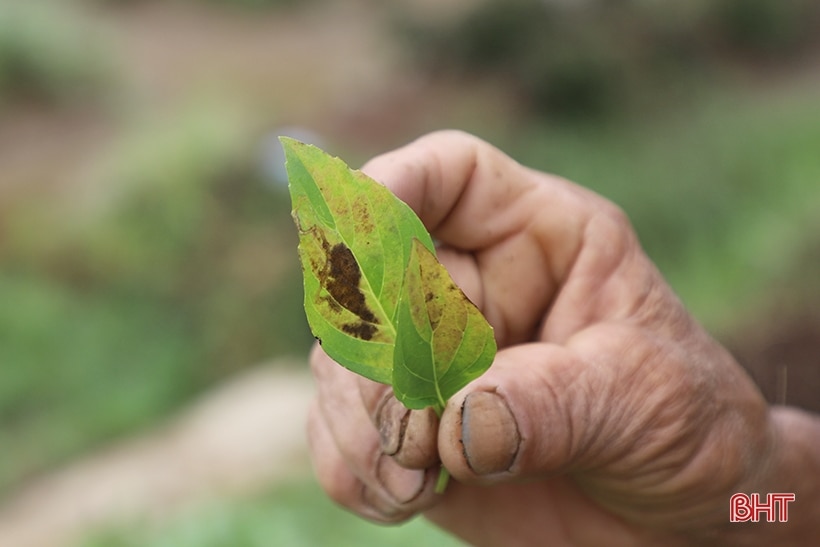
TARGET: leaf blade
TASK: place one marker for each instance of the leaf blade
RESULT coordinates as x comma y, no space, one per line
443,341
355,238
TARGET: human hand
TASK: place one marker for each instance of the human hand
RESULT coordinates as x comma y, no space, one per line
608,417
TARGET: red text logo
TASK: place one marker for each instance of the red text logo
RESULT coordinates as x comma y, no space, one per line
745,507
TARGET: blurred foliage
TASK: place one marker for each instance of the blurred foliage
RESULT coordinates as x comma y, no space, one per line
766,26
117,308
582,60
240,4
258,4
48,54
724,195
295,515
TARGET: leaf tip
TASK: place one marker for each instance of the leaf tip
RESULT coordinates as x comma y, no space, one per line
289,144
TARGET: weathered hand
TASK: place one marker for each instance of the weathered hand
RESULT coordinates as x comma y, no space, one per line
609,417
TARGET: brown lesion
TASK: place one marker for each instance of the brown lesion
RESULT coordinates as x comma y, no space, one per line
362,330
360,211
341,277
431,277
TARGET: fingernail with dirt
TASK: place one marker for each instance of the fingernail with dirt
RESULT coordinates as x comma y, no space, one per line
403,485
391,420
419,448
489,433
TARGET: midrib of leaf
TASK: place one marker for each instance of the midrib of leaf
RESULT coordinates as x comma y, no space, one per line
441,402
467,364
435,381
449,364
381,270
311,191
366,278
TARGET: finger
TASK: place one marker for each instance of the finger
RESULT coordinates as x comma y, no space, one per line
615,400
340,483
408,436
516,223
357,441
332,472
538,411
491,431
476,200
469,193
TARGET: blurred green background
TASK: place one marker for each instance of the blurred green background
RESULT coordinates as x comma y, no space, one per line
146,250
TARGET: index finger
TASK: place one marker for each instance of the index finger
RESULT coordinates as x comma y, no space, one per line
468,193
522,229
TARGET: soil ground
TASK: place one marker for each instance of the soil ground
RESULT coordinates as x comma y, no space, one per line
238,439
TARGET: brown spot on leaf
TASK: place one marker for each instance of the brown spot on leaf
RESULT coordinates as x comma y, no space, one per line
361,213
341,277
431,277
362,330
342,282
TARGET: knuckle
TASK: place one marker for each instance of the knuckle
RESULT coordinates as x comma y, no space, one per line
609,234
613,220
449,134
340,485
379,508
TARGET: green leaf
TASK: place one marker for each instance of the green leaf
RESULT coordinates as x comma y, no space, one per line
376,297
443,341
355,239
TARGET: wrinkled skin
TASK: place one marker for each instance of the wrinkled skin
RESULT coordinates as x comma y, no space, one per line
609,416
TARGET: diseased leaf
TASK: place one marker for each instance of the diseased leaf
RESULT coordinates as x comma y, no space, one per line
376,297
442,340
355,239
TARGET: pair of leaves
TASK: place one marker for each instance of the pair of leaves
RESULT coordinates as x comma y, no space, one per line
376,297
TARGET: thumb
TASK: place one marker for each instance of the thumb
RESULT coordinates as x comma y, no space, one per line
526,416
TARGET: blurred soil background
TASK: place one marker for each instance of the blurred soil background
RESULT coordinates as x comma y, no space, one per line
153,382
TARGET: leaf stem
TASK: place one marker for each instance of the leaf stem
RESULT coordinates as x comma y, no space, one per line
443,474
443,479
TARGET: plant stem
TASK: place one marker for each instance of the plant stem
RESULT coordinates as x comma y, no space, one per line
443,479
443,474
